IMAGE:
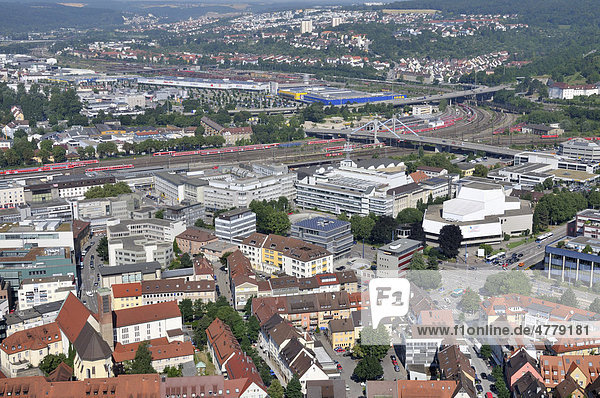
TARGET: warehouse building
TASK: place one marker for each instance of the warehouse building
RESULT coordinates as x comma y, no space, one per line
335,96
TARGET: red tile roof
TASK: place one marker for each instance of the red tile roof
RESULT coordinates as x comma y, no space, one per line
139,386
127,290
146,313
31,339
72,317
159,348
222,341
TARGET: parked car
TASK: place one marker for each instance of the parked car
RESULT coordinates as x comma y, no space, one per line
339,367
397,368
479,388
483,375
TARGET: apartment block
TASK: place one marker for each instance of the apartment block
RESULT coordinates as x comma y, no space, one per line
235,223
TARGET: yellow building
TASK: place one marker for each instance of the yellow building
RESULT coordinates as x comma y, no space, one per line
341,333
126,295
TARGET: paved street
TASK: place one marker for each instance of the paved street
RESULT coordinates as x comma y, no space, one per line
348,365
222,280
480,367
89,275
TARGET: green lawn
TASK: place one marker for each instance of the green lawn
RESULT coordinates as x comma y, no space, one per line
512,245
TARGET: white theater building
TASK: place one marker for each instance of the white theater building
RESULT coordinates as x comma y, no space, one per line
483,212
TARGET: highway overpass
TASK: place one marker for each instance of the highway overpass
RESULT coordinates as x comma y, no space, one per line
438,143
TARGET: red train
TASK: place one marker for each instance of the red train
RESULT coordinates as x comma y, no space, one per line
50,167
216,151
334,154
326,141
108,168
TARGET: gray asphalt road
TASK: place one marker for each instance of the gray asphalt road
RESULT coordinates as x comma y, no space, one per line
89,275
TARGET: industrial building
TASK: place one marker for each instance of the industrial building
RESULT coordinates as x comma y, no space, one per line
217,84
335,96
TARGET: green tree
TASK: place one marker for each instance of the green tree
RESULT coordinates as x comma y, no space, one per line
368,368
187,310
426,279
361,226
159,213
102,248
172,371
51,362
417,262
384,229
372,343
568,298
450,240
498,375
59,154
486,351
487,249
186,261
277,223
409,216
507,282
480,171
595,306
594,199
275,390
587,249
46,145
142,362
470,301
294,388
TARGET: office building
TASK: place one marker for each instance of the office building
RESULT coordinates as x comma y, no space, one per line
567,91
581,148
47,233
151,228
11,194
37,291
192,239
170,186
235,223
139,249
557,162
129,273
482,211
19,264
188,213
567,261
66,187
333,235
239,190
361,187
395,257
52,209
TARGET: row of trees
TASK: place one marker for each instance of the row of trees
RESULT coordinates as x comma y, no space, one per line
51,103
108,190
201,315
272,216
556,208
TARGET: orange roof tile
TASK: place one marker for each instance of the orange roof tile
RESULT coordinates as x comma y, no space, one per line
159,348
146,313
72,317
31,339
123,290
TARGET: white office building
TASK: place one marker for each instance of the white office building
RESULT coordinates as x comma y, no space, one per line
580,148
235,223
234,191
37,291
353,187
